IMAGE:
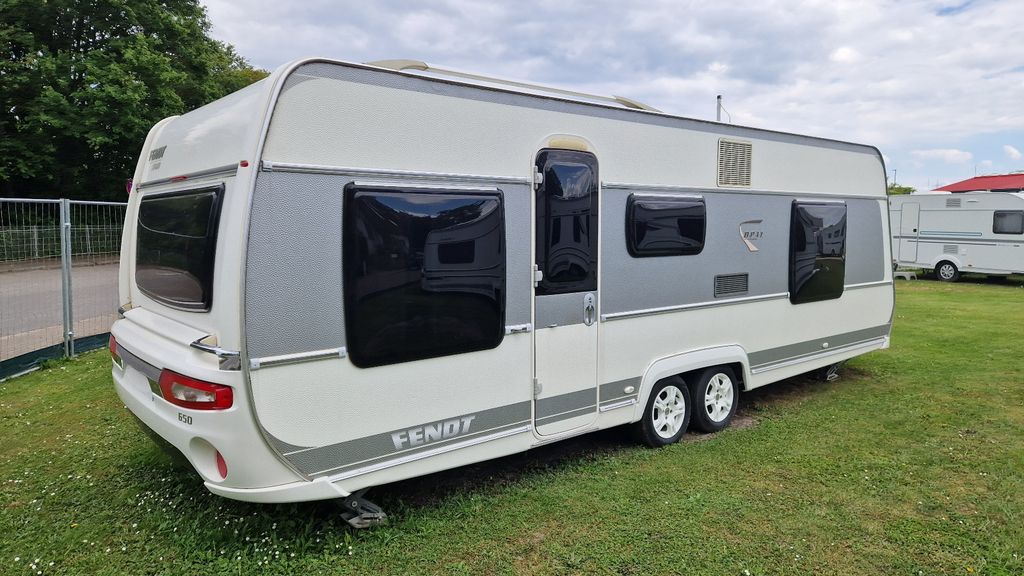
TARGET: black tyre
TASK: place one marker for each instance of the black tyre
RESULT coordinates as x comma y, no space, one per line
947,271
666,415
715,393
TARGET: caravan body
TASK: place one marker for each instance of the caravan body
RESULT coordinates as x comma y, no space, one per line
979,232
346,275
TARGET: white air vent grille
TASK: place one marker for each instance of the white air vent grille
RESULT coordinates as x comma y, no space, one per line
734,163
950,249
953,202
730,284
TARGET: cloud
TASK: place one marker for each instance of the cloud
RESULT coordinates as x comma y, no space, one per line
1011,152
947,155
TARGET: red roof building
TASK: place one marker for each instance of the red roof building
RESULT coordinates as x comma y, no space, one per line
995,183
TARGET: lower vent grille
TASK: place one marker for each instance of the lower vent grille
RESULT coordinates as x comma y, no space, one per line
731,284
949,249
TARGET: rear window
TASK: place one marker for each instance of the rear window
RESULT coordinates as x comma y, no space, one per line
175,247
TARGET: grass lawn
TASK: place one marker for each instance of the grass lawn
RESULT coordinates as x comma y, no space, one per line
911,463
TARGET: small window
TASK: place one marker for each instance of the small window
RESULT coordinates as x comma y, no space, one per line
817,252
424,273
1008,222
664,225
176,245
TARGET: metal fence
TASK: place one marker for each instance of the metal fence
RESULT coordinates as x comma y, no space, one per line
58,277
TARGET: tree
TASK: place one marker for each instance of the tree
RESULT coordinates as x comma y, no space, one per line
82,81
895,189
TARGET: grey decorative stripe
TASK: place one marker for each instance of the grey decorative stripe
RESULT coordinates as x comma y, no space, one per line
282,446
744,191
325,459
150,371
566,415
960,240
696,306
617,389
867,285
810,347
565,402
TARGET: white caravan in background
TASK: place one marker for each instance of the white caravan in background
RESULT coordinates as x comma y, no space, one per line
979,232
346,275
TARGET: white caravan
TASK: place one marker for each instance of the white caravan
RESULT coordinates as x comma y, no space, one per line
979,232
346,275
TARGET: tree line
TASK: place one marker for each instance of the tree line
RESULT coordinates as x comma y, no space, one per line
83,81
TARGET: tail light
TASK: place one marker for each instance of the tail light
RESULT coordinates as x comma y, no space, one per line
112,344
195,394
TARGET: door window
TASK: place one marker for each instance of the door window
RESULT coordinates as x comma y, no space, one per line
567,222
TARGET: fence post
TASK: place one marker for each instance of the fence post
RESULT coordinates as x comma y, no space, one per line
65,262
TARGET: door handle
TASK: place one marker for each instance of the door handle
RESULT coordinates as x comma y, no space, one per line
589,309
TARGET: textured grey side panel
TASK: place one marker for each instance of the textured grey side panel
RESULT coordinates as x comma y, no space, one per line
808,347
629,283
565,402
865,250
616,390
483,94
361,451
293,299
294,277
561,309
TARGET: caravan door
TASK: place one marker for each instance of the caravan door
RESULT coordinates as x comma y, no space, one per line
566,296
908,232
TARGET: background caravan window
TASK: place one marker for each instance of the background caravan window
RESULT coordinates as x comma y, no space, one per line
817,251
177,241
1008,222
664,225
424,273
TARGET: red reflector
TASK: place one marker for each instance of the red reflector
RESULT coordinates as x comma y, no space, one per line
222,466
195,394
178,178
113,346
244,163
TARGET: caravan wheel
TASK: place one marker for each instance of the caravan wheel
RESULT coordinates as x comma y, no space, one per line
667,413
947,271
715,393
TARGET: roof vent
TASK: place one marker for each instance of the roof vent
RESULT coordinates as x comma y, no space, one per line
953,202
729,284
733,163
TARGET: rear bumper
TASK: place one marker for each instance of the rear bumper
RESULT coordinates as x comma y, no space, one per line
255,473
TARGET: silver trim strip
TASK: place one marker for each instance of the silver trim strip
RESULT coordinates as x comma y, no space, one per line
418,186
229,359
376,172
429,453
744,191
218,171
296,357
867,285
696,306
619,404
519,329
824,354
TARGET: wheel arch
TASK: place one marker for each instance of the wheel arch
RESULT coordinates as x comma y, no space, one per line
687,363
947,258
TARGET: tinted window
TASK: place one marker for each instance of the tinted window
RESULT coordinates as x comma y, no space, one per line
817,252
664,225
567,222
176,245
1008,222
424,274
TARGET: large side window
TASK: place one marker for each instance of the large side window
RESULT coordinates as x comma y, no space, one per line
176,245
817,251
664,225
1008,222
567,222
424,273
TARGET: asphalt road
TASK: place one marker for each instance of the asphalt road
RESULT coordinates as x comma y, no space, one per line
31,313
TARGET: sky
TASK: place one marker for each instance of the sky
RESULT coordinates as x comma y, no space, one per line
936,85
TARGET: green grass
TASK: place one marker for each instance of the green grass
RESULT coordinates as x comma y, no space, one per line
911,463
